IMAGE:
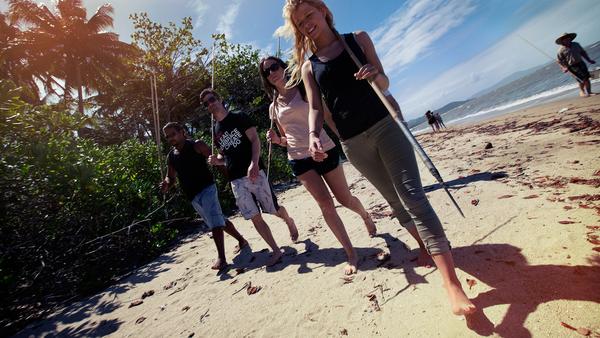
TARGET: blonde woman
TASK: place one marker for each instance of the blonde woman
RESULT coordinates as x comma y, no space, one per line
370,138
289,110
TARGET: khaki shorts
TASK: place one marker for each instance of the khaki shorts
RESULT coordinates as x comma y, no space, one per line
249,196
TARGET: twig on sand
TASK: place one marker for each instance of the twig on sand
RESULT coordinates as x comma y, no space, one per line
243,288
204,315
381,288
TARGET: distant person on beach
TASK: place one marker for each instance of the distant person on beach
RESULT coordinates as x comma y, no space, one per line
570,59
370,137
239,151
188,160
432,121
439,120
289,110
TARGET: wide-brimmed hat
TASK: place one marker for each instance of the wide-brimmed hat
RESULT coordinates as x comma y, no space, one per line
565,36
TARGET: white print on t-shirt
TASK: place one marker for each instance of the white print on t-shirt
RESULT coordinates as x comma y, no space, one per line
232,139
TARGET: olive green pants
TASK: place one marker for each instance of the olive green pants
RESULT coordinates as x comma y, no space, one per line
386,158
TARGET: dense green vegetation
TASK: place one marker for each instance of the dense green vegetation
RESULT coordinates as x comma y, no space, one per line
79,168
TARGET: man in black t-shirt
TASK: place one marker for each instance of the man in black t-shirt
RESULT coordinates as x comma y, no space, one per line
239,151
188,160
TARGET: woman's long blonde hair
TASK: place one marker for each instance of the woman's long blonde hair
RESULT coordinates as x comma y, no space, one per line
302,44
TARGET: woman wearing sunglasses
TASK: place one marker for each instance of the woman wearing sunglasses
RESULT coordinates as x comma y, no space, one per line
289,110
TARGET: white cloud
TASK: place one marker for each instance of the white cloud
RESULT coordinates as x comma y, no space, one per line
226,21
409,32
509,55
200,7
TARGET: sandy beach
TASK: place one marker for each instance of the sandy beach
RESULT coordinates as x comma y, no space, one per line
527,253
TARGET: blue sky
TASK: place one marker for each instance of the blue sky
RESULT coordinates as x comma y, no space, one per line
435,51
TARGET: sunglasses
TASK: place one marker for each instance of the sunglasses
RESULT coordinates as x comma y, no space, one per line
209,101
272,68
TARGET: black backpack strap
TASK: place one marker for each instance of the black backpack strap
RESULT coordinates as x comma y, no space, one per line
350,39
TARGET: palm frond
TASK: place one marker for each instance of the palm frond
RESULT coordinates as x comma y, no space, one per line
101,19
71,9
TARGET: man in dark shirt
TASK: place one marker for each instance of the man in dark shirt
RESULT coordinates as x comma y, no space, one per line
239,151
432,121
188,160
570,59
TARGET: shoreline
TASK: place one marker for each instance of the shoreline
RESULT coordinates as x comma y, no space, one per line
513,106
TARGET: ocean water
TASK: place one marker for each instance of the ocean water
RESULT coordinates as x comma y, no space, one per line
545,84
551,95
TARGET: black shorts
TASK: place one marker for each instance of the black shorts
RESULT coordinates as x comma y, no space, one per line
301,166
580,70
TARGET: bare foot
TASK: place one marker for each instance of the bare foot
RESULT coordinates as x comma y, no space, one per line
293,230
219,264
350,268
424,259
240,246
275,258
460,303
371,228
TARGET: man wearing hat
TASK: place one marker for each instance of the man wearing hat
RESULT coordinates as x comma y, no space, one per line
570,58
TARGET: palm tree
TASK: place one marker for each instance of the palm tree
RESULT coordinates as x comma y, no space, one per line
12,56
69,46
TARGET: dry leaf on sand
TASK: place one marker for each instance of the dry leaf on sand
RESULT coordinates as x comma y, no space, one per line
471,282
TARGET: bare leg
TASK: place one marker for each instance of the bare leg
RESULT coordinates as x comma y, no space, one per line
263,230
221,262
283,214
336,180
582,89
588,86
317,188
424,258
460,303
231,230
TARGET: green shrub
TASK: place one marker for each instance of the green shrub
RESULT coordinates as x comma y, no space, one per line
67,204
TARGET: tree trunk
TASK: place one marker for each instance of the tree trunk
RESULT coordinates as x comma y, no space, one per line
79,90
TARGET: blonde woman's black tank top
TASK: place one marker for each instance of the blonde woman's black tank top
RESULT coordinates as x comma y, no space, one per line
354,105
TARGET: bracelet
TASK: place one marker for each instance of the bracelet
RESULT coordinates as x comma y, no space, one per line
314,132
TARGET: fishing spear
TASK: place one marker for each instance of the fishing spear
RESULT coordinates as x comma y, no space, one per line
409,136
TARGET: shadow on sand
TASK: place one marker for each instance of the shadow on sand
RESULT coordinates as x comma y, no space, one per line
98,304
401,257
464,181
522,286
514,282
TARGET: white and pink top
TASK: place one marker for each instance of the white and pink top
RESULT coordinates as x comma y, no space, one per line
293,117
